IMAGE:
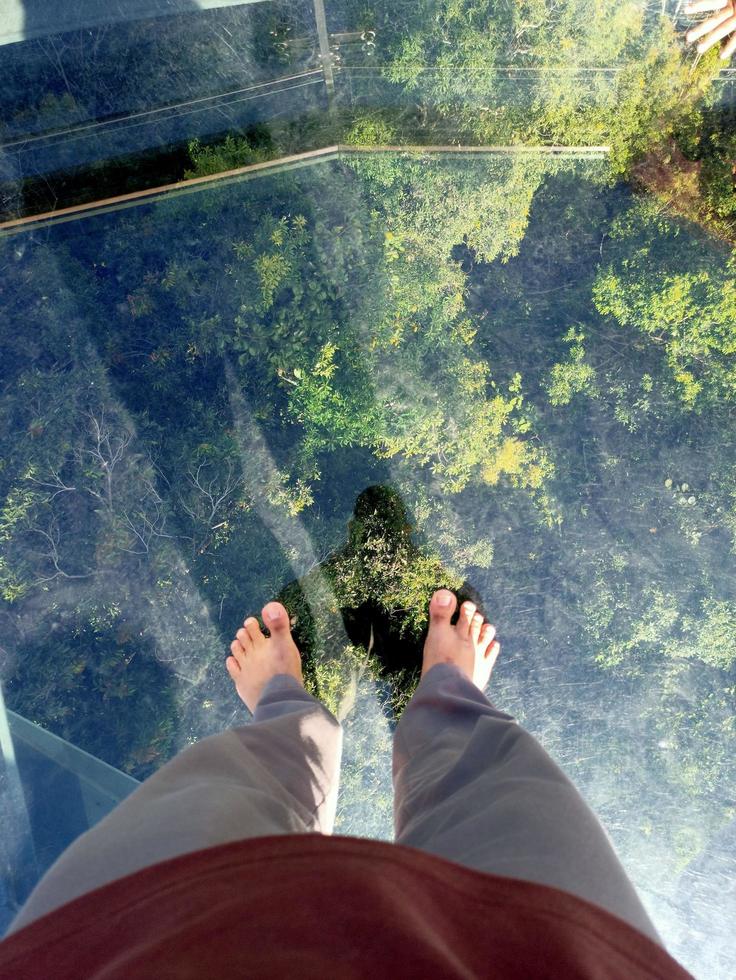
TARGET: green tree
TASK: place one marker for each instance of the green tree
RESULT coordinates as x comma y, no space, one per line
683,300
610,76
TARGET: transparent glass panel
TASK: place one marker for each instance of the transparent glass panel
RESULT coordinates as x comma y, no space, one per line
462,315
131,92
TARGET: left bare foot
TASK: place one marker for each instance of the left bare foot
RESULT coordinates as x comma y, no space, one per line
257,658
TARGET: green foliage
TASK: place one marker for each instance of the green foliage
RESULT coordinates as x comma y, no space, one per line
717,171
684,300
332,679
232,153
480,436
12,587
370,129
625,628
272,271
456,41
694,723
106,692
712,636
334,403
453,57
17,507
573,376
428,206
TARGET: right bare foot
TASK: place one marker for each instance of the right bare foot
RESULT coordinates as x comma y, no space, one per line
468,645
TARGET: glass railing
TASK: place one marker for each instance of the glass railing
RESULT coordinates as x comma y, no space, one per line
460,312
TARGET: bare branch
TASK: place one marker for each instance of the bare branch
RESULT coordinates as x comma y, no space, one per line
215,492
52,538
109,446
149,525
58,484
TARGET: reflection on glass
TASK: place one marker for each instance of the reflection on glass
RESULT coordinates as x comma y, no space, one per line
346,385
350,380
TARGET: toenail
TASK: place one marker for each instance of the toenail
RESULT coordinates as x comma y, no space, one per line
444,600
272,615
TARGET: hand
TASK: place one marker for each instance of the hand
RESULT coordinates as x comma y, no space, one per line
720,25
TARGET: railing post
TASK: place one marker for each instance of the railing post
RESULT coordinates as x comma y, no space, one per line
324,49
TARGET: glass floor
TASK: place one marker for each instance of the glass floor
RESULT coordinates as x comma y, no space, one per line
339,305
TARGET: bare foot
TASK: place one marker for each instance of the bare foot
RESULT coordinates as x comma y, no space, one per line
256,658
468,644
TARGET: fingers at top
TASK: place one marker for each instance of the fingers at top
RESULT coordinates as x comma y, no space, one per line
729,48
728,25
707,25
700,5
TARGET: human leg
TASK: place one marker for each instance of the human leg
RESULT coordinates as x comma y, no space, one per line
276,775
473,786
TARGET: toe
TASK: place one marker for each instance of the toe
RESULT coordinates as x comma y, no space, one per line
244,639
275,617
236,649
487,632
467,611
442,606
233,667
475,625
492,652
253,630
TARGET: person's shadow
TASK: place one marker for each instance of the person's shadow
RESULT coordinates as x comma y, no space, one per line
380,545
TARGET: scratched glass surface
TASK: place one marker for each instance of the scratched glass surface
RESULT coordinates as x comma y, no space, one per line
343,380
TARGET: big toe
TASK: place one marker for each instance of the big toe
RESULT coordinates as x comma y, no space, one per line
442,606
276,618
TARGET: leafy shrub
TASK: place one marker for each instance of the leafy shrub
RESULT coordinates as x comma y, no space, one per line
233,152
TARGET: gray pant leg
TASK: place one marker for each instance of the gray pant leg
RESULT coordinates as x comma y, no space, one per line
474,787
277,775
